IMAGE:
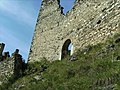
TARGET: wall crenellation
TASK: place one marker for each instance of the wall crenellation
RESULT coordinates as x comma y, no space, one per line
89,22
10,66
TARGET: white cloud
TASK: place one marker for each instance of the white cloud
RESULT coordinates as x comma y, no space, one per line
16,10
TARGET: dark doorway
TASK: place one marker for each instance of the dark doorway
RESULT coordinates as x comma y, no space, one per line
66,51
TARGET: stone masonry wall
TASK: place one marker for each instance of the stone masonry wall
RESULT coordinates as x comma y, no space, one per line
6,70
2,45
89,22
6,66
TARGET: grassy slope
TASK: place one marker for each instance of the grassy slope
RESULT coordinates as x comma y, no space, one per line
96,68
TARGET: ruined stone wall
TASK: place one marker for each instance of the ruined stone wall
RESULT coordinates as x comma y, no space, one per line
6,66
2,45
89,22
6,70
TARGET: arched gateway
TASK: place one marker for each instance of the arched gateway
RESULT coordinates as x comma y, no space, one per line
66,49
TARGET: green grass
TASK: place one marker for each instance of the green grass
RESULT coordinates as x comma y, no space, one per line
95,66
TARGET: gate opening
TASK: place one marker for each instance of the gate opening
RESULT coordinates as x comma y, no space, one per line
66,49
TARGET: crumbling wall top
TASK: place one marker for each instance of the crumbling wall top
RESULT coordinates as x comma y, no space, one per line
2,45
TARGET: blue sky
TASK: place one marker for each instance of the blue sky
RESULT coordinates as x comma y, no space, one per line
17,23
